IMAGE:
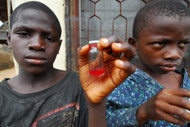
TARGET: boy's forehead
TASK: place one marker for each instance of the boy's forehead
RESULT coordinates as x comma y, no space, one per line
31,11
35,19
167,20
32,15
165,25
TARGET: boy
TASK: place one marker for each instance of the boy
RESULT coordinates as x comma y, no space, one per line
42,96
155,94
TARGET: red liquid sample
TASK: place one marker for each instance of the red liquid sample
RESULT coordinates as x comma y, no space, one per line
97,72
93,45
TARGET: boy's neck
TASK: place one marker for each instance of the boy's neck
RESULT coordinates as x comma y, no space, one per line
168,80
26,84
171,80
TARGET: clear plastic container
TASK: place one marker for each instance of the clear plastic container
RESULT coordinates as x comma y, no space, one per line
96,60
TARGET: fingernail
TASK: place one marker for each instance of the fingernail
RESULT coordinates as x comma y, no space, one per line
79,48
118,45
119,62
105,41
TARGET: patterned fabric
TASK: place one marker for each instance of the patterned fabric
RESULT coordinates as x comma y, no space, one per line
123,102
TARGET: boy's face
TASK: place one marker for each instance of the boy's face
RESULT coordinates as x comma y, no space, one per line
162,43
35,41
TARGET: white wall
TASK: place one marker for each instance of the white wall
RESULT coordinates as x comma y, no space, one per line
57,7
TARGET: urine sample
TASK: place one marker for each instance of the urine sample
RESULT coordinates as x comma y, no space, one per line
96,60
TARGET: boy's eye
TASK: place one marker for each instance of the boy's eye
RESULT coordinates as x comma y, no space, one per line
50,39
183,44
158,44
23,33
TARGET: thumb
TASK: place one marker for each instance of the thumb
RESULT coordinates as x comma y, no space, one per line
125,70
83,55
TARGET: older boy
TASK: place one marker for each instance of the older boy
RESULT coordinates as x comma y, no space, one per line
42,96
154,95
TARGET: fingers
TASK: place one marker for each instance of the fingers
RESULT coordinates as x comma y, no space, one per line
115,47
178,101
126,68
118,73
105,43
173,114
179,92
116,68
121,53
169,105
171,119
175,97
83,55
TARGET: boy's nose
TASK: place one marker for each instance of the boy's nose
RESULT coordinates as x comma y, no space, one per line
37,43
173,54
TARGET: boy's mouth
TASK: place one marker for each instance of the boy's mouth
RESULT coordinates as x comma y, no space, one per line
169,67
35,60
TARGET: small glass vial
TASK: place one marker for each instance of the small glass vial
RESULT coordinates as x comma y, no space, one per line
96,60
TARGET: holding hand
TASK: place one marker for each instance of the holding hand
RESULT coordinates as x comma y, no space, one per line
168,105
117,67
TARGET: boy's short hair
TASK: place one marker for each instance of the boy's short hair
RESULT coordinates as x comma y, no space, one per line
169,8
37,6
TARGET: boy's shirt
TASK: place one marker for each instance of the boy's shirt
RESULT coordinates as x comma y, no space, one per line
123,102
62,105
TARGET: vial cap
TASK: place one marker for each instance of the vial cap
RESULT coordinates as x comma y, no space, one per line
93,42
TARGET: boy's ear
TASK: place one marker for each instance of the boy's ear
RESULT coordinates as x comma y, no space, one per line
9,38
132,41
60,41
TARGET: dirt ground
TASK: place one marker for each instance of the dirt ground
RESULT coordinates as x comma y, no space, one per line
7,73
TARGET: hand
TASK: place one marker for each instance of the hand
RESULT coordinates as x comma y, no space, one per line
168,105
117,66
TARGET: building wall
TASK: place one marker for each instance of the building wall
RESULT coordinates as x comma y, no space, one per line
109,17
58,8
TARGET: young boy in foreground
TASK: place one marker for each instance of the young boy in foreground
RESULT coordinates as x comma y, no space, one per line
42,96
155,95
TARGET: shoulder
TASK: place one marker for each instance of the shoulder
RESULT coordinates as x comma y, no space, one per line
4,81
72,80
73,76
186,79
3,89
